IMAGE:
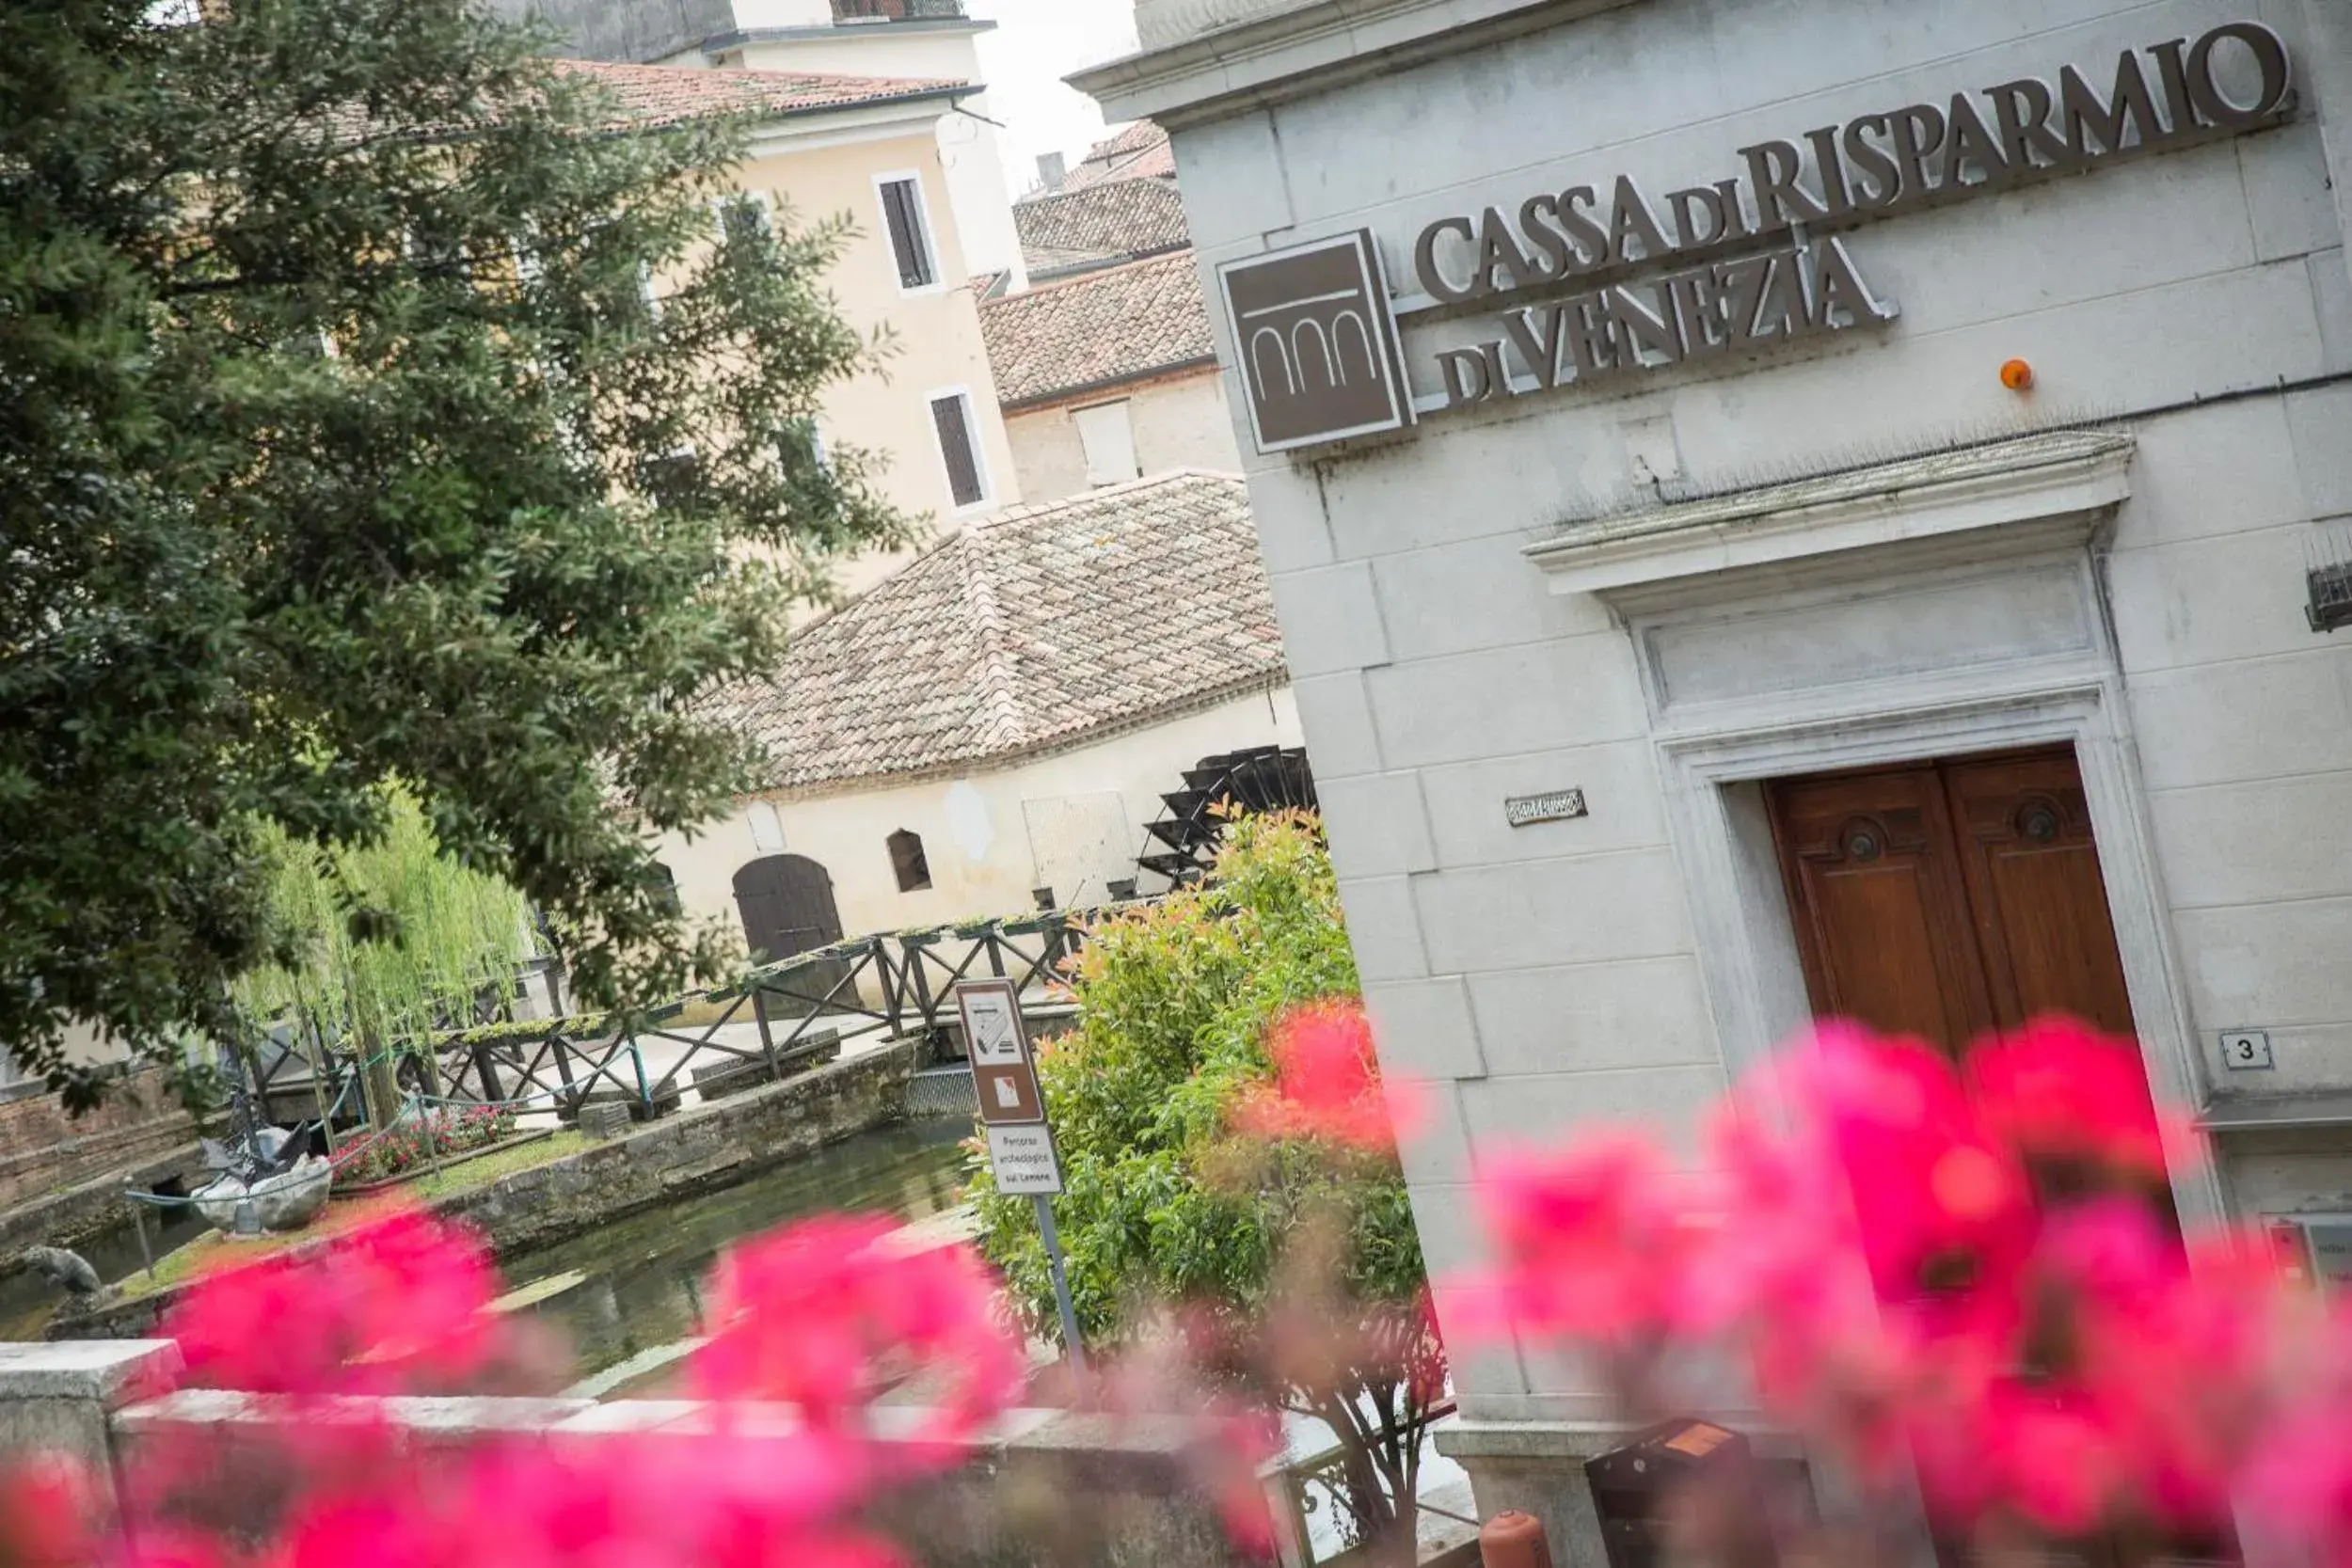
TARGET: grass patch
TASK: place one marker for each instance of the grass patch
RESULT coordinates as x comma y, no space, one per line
212,1250
475,1175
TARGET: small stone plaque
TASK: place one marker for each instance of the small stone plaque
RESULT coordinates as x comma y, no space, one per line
1557,806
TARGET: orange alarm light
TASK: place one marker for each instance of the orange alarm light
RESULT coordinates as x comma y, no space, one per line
2016,375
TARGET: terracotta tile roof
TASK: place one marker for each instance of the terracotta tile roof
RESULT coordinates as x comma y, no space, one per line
1123,218
1035,630
1141,151
666,95
1117,324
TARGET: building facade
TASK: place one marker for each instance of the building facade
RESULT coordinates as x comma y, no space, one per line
1108,376
868,146
918,38
1106,366
1777,513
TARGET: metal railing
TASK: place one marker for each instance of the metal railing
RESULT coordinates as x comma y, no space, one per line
895,985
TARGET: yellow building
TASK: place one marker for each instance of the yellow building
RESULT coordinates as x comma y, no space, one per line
868,146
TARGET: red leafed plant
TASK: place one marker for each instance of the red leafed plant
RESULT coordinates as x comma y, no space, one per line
1966,1282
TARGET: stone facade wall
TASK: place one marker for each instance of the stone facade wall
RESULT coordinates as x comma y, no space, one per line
1550,977
44,1150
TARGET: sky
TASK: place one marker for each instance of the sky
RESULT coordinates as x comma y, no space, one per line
1035,44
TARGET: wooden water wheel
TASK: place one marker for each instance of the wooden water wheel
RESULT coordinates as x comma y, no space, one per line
1183,839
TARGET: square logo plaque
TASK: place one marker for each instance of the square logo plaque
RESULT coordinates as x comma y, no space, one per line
1317,343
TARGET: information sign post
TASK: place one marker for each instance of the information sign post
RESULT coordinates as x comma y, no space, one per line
1012,1115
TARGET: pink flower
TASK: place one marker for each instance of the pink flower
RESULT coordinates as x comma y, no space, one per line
1326,1083
825,1314
399,1305
1588,1248
48,1514
2057,1089
1941,1209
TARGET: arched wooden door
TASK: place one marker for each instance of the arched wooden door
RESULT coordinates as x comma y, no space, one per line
788,908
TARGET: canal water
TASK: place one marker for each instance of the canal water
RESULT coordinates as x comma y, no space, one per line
627,1295
28,1301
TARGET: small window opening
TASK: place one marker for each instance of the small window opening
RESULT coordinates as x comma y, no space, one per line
906,859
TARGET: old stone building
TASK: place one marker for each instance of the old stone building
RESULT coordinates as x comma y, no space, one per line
1795,509
1004,715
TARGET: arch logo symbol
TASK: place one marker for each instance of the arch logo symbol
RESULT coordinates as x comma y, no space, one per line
1316,342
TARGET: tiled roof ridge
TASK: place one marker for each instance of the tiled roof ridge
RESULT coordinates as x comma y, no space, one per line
1026,633
1030,511
1048,198
761,89
1093,275
993,640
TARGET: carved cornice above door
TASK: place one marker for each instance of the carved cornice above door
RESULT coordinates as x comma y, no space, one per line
2018,495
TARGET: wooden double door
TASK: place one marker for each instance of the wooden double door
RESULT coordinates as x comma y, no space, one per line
1946,898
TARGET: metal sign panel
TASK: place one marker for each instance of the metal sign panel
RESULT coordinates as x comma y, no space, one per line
1023,1160
1316,342
1004,1072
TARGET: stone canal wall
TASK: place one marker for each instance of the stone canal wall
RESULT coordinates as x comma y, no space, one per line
61,1175
695,1152
677,1157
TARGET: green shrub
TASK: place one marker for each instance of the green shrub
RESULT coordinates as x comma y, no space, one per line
1162,1202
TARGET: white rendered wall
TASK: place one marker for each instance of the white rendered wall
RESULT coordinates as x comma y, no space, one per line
969,149
987,835
1549,977
1179,423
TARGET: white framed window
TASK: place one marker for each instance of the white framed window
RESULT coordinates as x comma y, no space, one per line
800,438
1107,433
767,828
906,224
960,445
757,208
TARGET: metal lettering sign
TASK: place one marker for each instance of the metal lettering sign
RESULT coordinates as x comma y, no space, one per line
1599,282
1559,806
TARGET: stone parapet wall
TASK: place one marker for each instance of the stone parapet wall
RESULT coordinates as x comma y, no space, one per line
1041,1486
1162,23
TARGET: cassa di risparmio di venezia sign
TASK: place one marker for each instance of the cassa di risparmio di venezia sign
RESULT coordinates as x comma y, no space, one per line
1617,283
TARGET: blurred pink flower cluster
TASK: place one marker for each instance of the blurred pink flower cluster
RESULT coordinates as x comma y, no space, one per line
820,1317
1326,1083
1971,1277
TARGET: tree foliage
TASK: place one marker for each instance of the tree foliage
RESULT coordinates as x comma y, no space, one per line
388,940
1272,1246
342,445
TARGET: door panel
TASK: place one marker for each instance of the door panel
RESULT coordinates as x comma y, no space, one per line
1946,898
788,908
2032,870
1881,915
